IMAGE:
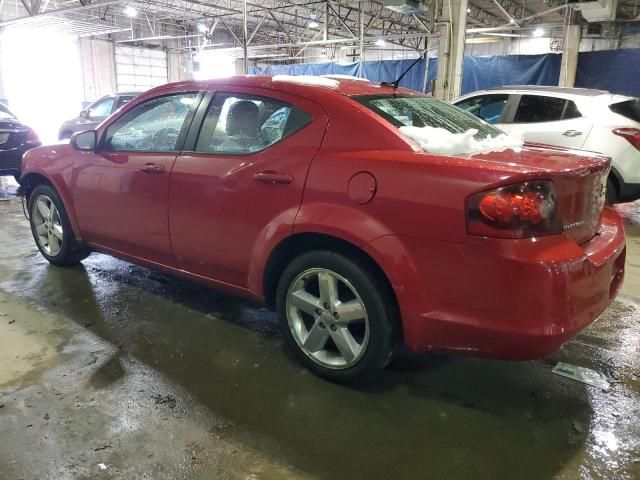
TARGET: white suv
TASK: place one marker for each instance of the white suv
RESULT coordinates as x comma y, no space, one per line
570,117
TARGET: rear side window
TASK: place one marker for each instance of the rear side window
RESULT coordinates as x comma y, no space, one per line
237,124
537,108
102,109
487,107
629,109
123,100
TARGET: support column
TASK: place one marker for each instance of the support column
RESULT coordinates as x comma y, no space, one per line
361,34
452,25
570,49
245,39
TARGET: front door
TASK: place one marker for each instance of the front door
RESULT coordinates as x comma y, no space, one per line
243,180
121,190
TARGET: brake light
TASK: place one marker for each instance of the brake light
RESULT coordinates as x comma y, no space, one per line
631,135
516,211
32,137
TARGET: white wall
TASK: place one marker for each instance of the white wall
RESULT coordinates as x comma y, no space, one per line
98,68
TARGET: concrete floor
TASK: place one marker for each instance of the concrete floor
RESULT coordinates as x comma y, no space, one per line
109,370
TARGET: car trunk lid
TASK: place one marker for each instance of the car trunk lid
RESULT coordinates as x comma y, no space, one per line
579,180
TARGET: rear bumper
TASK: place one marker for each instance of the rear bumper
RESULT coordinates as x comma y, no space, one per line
510,299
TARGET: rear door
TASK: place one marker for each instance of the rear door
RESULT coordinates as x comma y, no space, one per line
243,179
547,119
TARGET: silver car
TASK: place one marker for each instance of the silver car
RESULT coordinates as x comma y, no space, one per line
95,113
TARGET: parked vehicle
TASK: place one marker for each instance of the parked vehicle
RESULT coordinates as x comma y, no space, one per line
15,139
309,198
570,117
95,113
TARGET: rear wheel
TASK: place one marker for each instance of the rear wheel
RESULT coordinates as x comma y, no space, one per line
612,191
51,228
337,316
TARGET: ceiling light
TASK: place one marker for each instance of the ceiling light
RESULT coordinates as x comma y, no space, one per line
202,28
513,20
469,10
130,11
538,32
381,42
313,23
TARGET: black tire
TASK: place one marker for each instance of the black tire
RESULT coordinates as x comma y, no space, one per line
71,251
612,191
378,300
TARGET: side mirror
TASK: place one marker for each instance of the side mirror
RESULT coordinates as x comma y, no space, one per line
84,140
84,114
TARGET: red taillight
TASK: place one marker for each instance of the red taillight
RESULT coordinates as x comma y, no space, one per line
631,135
517,211
32,137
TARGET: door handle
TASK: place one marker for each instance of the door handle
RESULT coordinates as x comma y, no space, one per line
152,168
571,133
270,177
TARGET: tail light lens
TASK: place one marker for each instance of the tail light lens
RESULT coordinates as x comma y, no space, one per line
631,135
32,137
516,211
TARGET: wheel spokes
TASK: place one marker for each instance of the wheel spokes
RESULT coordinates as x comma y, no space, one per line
350,311
345,343
57,231
328,285
316,339
45,211
305,301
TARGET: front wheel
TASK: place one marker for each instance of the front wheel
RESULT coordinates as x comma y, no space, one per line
51,228
337,316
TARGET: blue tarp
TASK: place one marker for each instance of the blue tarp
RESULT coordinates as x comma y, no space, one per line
480,73
376,71
615,70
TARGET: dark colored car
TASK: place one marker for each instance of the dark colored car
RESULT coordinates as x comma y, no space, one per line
15,139
95,113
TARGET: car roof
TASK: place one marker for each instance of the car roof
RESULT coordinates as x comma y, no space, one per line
586,92
295,85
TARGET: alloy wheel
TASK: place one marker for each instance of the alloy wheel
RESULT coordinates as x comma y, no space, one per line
327,318
48,225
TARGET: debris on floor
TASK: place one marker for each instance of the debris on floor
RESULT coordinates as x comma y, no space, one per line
582,375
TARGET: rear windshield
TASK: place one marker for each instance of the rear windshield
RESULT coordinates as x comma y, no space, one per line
422,111
629,109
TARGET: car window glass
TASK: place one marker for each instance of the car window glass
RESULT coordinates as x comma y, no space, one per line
487,107
5,112
152,126
123,100
238,124
536,108
571,111
628,108
102,109
423,111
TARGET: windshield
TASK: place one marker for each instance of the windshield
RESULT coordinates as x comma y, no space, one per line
5,113
422,111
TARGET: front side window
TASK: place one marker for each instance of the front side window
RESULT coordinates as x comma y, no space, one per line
102,109
487,107
152,126
537,108
238,124
419,111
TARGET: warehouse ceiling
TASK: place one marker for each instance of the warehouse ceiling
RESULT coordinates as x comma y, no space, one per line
274,25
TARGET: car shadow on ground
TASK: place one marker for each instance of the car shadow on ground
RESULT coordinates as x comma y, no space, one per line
440,414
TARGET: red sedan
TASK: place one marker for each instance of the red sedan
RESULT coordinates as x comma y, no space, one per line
318,198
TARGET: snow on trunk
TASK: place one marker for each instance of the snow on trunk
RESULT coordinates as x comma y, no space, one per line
442,142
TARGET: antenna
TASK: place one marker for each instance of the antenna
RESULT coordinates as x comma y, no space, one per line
396,82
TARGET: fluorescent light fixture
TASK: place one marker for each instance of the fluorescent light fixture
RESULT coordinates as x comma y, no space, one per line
202,28
381,42
130,11
313,23
538,32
